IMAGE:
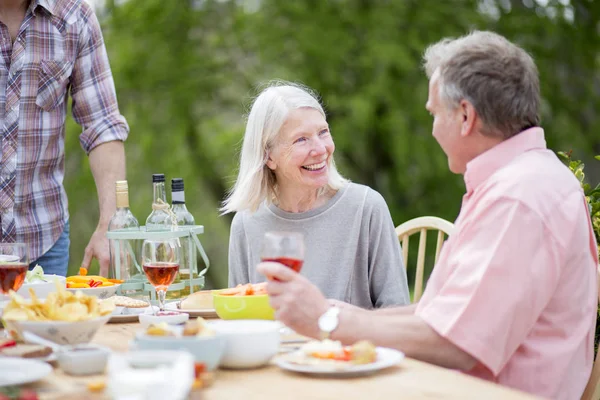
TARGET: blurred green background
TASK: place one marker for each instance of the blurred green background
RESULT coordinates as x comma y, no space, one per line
186,72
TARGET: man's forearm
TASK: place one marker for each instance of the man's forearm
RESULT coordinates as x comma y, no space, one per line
405,332
107,162
403,310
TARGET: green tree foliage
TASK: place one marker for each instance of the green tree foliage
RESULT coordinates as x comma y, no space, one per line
186,71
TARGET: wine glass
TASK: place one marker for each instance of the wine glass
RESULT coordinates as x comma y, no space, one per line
286,248
14,263
160,261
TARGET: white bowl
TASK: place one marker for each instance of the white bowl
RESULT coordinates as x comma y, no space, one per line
102,292
60,332
205,349
248,343
148,319
83,359
41,288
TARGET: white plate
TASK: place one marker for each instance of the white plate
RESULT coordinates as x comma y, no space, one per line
101,292
201,312
385,358
125,315
17,371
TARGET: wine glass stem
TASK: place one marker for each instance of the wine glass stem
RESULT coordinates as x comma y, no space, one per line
161,298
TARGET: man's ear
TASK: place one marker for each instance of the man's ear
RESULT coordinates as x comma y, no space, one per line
469,118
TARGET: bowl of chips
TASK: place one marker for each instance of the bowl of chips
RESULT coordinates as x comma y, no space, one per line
63,317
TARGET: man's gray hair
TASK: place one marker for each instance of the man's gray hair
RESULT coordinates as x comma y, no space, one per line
497,77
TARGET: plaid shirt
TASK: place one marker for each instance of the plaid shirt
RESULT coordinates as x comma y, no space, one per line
59,48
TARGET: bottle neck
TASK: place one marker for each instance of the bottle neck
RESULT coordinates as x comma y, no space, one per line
159,192
178,197
122,199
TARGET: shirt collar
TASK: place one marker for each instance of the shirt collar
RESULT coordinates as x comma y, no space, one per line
484,165
48,5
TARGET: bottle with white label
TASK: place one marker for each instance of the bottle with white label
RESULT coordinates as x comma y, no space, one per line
184,218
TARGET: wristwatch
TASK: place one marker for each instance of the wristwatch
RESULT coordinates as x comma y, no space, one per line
329,321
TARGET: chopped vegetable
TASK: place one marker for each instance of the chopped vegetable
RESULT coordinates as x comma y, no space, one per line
96,385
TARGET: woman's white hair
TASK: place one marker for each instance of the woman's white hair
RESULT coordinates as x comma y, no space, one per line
256,183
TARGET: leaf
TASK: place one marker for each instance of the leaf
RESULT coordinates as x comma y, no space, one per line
597,158
563,156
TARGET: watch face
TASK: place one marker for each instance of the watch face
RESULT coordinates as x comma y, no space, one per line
327,323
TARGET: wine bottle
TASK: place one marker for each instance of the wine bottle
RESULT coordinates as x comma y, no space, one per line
187,265
122,220
160,219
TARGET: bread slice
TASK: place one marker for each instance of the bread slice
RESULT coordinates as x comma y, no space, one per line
201,300
124,301
26,351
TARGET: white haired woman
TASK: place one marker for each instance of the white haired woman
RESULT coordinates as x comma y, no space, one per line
288,181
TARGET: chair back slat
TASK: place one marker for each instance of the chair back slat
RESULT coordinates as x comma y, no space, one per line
405,249
438,246
420,265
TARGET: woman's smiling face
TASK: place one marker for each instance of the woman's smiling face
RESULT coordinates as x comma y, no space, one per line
301,154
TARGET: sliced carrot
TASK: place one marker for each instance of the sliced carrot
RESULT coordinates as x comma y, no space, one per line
116,280
83,271
77,285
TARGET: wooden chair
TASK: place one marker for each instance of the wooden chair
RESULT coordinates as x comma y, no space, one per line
422,225
592,390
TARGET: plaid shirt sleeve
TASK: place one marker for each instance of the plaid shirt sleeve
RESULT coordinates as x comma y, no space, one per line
95,105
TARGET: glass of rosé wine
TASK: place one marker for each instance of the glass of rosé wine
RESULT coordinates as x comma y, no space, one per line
286,248
14,263
160,261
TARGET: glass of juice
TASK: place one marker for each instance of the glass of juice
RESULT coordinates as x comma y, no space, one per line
286,248
14,263
160,261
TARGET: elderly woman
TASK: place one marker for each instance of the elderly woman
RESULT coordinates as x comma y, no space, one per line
288,181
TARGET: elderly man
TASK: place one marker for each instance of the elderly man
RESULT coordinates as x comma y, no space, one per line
513,296
50,48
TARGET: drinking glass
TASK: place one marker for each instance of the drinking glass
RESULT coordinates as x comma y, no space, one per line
160,261
14,263
286,248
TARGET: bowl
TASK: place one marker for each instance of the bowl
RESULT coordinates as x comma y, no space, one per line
204,349
83,359
243,307
60,332
41,288
248,343
173,318
102,292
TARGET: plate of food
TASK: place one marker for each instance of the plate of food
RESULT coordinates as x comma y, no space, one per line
198,304
128,309
10,348
18,371
329,358
92,285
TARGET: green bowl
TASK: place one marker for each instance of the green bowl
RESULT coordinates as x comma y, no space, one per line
243,307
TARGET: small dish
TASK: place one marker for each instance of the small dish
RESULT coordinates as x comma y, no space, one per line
249,343
205,349
83,359
169,317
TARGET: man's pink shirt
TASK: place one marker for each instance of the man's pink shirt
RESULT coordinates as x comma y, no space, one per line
515,285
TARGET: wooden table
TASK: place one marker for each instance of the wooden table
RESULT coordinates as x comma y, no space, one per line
411,379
